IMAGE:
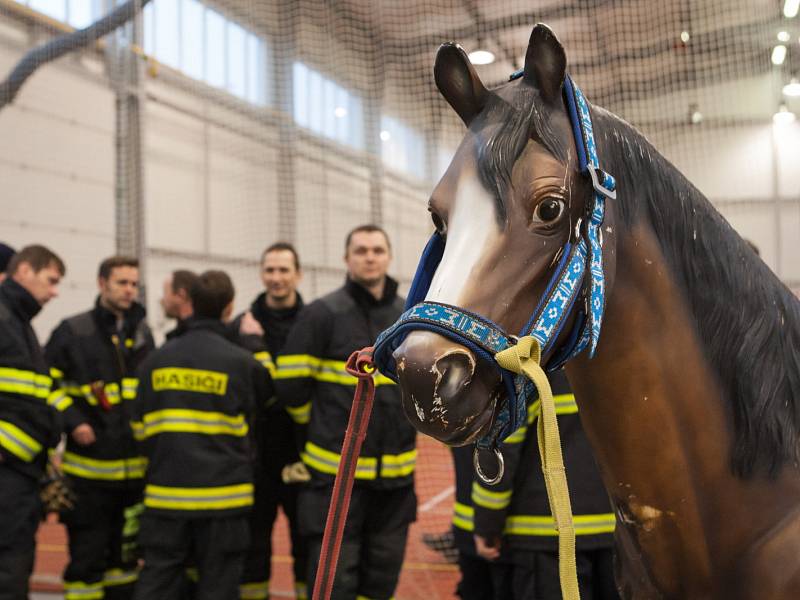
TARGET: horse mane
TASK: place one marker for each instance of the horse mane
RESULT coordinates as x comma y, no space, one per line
747,319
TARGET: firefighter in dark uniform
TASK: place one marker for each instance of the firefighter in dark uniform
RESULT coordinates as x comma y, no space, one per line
311,377
513,518
263,330
197,395
6,253
175,300
28,421
94,356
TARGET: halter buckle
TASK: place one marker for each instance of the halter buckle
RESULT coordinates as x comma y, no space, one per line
595,173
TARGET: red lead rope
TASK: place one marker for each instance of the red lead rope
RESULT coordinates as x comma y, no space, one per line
359,365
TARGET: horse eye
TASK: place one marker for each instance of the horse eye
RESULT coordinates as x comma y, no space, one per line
438,223
548,210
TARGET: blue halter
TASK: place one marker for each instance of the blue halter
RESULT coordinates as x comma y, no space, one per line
578,272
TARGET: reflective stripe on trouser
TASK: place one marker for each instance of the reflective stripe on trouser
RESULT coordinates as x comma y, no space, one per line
78,590
210,498
257,590
104,470
114,577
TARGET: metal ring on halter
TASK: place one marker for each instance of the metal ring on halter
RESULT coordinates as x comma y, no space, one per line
501,467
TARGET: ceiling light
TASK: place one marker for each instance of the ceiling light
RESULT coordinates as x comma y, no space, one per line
792,89
685,37
790,8
778,54
385,135
483,57
784,116
340,112
783,36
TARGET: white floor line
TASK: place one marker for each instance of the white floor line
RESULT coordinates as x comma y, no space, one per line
437,499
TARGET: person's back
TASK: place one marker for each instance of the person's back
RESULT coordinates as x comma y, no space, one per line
193,417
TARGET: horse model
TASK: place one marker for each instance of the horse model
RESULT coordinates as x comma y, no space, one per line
691,396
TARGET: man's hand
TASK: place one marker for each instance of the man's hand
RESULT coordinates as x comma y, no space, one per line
249,325
83,434
488,549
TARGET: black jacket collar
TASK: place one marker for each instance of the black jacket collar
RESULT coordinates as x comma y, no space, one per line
363,298
20,300
202,324
108,320
263,313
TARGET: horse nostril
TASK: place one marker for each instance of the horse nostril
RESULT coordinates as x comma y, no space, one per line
453,373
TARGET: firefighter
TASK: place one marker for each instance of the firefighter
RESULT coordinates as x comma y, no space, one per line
513,518
263,330
6,253
28,421
196,398
175,301
94,356
311,378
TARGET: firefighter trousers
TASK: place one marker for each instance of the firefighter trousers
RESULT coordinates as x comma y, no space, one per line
20,511
216,546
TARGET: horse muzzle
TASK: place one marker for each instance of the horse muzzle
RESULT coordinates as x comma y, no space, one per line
447,393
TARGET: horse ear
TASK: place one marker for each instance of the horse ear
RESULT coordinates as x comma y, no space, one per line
545,62
458,82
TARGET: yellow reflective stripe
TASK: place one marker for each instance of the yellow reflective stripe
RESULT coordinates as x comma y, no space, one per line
300,414
327,370
256,590
398,465
326,461
265,358
565,405
114,577
192,574
27,383
517,437
545,525
129,343
56,373
138,430
489,499
129,387
214,498
300,590
19,443
464,516
174,420
78,590
190,380
107,470
59,400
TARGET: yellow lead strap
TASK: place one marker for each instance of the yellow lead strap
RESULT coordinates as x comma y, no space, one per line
524,358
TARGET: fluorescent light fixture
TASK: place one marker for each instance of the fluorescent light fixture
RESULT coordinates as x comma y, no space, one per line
385,136
784,116
792,89
340,112
778,54
790,8
685,37
484,57
783,36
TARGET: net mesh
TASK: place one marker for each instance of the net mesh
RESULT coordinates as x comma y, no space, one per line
221,127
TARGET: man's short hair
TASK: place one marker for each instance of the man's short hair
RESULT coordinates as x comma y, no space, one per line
38,257
277,246
368,228
113,262
183,279
211,292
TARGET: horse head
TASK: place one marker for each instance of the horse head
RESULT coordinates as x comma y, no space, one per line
511,199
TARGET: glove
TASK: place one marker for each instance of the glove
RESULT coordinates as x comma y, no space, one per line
54,491
295,473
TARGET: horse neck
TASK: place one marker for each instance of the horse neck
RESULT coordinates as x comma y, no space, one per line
654,411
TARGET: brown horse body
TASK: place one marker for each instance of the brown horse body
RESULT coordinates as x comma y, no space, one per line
703,472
